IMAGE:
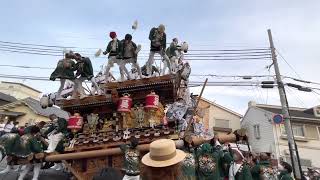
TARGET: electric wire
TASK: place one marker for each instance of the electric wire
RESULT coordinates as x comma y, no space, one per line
315,95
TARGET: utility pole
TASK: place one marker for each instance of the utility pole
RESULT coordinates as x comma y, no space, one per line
285,112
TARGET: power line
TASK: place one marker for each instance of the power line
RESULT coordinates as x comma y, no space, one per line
291,91
194,75
232,53
296,73
303,81
26,52
230,50
39,45
188,59
24,67
233,76
191,82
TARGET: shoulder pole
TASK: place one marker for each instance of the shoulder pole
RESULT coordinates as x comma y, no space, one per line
195,108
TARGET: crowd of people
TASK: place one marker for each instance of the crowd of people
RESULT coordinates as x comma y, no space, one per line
208,161
22,144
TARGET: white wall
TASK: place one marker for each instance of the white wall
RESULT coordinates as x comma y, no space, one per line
219,113
309,149
266,142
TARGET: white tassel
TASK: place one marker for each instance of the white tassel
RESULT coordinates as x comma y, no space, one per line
98,53
135,25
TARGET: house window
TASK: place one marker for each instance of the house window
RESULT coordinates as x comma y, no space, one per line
256,131
222,123
298,130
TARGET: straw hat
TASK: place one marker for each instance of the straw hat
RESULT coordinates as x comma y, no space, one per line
163,153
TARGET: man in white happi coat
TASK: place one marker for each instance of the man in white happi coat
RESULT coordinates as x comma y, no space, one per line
114,50
158,38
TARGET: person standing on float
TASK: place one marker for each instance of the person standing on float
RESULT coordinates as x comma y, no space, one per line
85,71
158,40
130,54
64,70
114,50
172,53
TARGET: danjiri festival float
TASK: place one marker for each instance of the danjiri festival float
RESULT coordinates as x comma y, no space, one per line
113,121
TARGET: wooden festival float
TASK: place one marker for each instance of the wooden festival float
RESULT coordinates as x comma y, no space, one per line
92,150
101,123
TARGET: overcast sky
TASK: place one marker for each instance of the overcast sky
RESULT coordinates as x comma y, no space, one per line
205,24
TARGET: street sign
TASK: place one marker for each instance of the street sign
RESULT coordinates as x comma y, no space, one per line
277,118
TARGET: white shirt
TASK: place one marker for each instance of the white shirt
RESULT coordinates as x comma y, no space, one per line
8,128
2,126
234,168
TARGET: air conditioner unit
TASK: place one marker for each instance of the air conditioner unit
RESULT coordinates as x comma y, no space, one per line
316,111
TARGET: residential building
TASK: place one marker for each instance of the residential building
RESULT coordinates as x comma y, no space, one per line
5,99
28,110
19,90
267,136
218,118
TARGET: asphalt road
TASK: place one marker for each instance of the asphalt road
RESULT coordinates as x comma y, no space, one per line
48,174
44,175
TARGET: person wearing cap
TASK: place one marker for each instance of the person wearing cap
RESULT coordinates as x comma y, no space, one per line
64,70
131,159
114,50
163,161
129,53
84,71
158,40
285,171
239,170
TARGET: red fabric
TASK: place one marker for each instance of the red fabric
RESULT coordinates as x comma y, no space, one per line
113,34
21,131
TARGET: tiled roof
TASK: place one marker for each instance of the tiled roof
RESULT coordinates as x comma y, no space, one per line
11,113
303,113
21,84
7,97
35,106
222,107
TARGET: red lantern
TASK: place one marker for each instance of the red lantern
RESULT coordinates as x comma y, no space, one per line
124,103
75,122
152,101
